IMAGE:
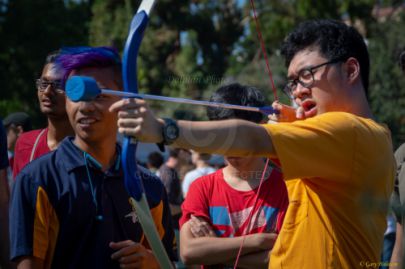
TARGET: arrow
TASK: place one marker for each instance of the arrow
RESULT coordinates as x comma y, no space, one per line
80,88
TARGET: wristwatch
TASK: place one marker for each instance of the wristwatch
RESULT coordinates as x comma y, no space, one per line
170,131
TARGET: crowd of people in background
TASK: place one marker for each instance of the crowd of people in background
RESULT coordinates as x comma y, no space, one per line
296,201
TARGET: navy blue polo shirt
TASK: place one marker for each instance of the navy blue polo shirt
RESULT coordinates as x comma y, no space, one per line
58,200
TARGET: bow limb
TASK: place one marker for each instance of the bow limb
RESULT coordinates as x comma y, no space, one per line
133,183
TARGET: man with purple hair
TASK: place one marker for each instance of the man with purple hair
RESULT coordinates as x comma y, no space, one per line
70,208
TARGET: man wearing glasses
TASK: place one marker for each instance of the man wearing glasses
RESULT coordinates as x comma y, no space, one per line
337,160
51,97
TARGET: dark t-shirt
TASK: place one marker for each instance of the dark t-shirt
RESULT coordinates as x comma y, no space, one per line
171,181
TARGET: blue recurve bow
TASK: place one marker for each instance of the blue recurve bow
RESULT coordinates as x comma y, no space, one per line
132,180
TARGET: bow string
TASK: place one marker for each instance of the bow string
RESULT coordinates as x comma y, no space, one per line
266,59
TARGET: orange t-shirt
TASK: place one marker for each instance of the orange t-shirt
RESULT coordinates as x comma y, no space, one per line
339,170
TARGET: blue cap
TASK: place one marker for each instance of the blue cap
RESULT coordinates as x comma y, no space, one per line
80,88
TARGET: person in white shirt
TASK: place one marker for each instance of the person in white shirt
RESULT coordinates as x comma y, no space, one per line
201,162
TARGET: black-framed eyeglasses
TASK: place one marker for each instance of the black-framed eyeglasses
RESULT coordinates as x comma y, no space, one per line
56,85
305,77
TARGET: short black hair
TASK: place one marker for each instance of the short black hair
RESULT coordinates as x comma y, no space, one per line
236,94
52,56
335,40
174,153
155,159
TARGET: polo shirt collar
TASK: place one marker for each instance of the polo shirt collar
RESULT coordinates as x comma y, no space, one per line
72,157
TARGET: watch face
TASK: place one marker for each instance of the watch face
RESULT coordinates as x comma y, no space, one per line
171,132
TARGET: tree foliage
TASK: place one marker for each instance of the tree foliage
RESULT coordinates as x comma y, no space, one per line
29,30
186,46
387,81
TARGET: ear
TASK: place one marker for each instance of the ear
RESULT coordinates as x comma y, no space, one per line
19,130
352,70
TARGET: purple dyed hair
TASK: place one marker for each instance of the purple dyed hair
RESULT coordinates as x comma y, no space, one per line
75,58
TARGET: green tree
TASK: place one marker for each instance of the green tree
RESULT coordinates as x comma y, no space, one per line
276,20
385,39
186,46
387,82
29,30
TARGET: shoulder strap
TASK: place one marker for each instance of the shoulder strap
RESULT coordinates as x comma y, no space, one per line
36,144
